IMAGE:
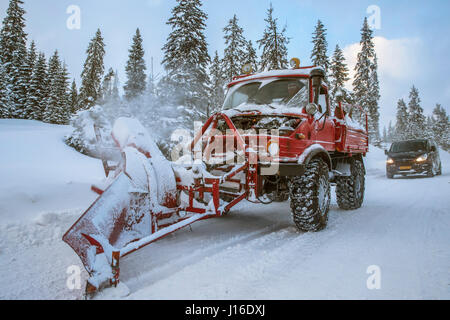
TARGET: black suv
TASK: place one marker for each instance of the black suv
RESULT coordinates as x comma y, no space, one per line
413,157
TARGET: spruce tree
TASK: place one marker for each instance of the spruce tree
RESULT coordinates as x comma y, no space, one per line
391,132
64,108
274,44
338,72
91,77
235,45
217,85
115,87
364,67
402,121
384,137
13,56
107,87
5,94
441,127
186,60
416,128
28,66
73,98
38,89
319,55
135,69
251,57
51,108
57,110
374,97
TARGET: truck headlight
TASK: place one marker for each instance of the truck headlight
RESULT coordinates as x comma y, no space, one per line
390,161
422,158
273,148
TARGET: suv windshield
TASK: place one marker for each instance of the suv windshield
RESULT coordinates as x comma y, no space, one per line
406,146
276,92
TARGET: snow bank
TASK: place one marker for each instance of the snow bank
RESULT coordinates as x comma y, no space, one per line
40,173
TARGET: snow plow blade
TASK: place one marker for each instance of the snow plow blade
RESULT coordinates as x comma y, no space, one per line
125,212
149,198
97,234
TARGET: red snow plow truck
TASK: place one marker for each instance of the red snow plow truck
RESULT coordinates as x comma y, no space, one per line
275,139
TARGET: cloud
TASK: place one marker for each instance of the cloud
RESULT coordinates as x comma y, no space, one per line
398,59
400,64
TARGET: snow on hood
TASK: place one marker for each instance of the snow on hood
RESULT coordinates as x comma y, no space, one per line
262,110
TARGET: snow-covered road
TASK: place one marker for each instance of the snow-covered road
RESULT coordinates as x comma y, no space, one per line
253,253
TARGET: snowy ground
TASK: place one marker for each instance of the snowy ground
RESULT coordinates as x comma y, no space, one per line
253,253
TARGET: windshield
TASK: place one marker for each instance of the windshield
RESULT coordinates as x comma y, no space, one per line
273,93
407,146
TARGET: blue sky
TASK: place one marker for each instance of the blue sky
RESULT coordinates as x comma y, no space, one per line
412,43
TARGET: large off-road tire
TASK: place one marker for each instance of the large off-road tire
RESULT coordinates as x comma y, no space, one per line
310,197
350,190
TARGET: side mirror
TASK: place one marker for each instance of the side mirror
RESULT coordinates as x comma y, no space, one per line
386,152
433,149
311,109
317,77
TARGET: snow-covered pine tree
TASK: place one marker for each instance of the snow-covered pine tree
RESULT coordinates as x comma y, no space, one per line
402,121
416,128
384,137
274,44
115,88
251,57
429,134
319,55
441,127
186,60
374,96
13,56
73,98
62,85
28,66
5,94
338,73
235,46
107,87
217,85
51,109
363,78
38,89
91,77
390,132
57,109
135,69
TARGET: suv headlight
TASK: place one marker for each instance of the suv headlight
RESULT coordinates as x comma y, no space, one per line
422,158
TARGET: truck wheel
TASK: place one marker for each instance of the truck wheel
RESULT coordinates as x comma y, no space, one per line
310,197
350,190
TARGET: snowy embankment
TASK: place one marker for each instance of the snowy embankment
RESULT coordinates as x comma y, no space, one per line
44,186
253,253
